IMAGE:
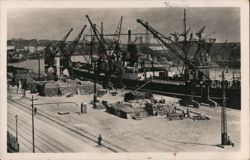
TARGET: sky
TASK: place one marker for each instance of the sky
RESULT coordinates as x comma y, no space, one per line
53,24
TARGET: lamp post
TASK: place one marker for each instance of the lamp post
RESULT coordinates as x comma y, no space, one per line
95,79
33,131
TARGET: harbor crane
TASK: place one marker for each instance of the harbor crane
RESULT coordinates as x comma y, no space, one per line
118,31
107,56
65,59
194,73
103,46
171,48
116,38
52,50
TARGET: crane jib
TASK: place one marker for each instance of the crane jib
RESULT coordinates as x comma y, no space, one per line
173,50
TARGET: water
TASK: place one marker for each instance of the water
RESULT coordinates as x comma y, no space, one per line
215,73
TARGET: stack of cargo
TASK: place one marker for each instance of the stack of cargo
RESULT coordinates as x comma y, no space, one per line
125,110
160,109
137,95
138,103
51,89
61,88
68,88
87,87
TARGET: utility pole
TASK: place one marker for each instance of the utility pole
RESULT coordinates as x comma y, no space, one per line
94,98
33,131
223,113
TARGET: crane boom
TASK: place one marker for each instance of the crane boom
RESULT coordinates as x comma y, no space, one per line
101,40
67,35
74,44
158,35
118,31
173,50
60,44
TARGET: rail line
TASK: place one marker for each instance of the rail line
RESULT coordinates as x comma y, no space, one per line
108,145
26,126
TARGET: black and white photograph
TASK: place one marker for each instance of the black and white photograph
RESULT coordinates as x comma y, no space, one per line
108,78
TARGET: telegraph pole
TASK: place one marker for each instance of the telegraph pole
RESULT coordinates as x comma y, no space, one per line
223,113
95,79
33,131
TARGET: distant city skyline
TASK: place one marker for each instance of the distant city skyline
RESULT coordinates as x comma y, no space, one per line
52,24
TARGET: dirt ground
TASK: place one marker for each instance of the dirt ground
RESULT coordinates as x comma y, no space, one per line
152,134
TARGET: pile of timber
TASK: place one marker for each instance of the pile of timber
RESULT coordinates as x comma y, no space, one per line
160,109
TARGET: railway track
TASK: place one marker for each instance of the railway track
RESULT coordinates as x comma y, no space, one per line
42,139
108,146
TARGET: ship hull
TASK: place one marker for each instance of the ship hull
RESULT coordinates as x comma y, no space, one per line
173,88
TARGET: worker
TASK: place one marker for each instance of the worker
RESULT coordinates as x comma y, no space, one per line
100,140
17,87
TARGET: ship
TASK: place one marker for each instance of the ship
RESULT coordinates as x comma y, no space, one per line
117,68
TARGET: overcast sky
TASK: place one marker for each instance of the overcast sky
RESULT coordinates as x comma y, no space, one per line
54,23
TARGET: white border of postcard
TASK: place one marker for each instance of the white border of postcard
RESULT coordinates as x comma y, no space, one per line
243,4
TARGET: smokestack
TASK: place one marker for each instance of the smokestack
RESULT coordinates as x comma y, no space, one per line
129,36
102,28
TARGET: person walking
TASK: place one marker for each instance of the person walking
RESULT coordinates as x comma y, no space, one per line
100,140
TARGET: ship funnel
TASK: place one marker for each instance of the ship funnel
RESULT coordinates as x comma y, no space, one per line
129,36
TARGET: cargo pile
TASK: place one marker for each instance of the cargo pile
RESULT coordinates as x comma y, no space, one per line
125,110
60,88
137,96
160,109
138,103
